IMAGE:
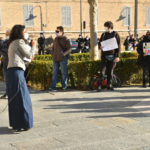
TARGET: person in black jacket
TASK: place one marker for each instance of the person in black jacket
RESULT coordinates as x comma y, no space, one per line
143,50
109,58
41,44
4,62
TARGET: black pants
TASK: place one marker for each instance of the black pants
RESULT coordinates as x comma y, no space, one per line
146,75
107,68
41,50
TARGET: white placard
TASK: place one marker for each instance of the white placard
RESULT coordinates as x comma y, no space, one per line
109,44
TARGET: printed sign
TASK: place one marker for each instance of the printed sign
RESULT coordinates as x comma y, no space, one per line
146,49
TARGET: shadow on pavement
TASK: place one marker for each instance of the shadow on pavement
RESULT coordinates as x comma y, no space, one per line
6,130
121,106
97,99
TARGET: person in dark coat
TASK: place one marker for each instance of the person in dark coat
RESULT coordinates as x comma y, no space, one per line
4,54
80,41
126,43
41,44
143,50
108,58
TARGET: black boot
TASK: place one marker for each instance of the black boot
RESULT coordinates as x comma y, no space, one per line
3,96
110,87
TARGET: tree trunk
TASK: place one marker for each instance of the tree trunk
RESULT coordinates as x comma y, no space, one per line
94,53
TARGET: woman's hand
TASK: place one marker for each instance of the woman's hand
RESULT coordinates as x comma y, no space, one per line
32,43
101,47
116,59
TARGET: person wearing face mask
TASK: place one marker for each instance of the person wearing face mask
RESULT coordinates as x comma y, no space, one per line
19,100
60,52
80,42
41,44
143,49
108,58
4,62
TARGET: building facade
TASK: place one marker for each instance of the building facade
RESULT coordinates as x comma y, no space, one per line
52,13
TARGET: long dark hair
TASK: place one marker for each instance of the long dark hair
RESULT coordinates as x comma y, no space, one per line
16,33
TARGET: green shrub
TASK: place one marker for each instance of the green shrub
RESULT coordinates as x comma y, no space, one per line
129,54
73,57
40,74
81,72
82,56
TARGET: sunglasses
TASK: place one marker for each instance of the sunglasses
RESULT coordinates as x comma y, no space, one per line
57,31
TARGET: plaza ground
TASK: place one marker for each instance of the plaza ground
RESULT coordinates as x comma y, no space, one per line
83,120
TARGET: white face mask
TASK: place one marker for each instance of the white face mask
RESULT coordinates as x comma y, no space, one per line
7,37
106,29
57,34
26,36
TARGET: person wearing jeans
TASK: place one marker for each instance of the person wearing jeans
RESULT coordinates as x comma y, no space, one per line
60,52
63,66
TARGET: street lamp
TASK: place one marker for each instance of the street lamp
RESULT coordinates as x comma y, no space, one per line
81,17
32,17
122,17
136,18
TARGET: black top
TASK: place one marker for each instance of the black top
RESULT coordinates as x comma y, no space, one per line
4,53
106,36
140,49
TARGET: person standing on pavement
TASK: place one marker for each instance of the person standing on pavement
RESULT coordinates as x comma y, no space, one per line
4,62
41,44
108,58
60,52
143,49
20,106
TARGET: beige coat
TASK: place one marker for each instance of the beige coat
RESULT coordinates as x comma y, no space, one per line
18,49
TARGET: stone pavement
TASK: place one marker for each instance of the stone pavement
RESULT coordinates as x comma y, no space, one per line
83,120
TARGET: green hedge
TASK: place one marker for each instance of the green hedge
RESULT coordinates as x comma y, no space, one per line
73,57
82,56
81,72
129,54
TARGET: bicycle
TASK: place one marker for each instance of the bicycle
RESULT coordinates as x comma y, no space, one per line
94,82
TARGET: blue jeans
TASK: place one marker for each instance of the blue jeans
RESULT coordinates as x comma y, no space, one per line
5,77
63,66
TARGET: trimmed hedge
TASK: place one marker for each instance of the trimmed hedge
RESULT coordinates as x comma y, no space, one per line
82,56
129,54
73,57
81,72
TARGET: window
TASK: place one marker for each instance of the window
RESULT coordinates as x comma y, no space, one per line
28,15
66,16
148,15
127,15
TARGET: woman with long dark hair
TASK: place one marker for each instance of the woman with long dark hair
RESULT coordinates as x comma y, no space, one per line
20,106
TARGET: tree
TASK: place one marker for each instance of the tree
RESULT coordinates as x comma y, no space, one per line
94,54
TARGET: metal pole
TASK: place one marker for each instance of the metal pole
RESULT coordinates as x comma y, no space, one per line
136,18
81,17
41,18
